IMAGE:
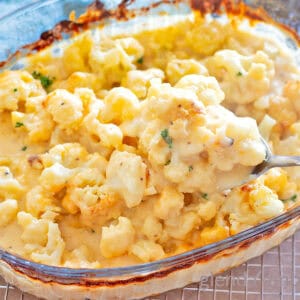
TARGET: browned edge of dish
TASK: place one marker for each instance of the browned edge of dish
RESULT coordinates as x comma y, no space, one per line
138,279
96,12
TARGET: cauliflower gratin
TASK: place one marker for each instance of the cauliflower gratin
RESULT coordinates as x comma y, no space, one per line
113,148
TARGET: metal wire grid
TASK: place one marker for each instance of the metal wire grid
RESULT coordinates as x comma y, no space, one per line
274,275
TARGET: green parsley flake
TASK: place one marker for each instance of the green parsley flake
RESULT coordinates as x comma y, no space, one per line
191,168
165,135
140,60
15,90
24,148
239,73
292,198
204,196
19,124
45,81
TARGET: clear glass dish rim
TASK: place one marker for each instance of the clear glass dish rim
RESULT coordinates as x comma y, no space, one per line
190,256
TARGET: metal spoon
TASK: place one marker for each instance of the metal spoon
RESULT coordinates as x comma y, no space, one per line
272,161
243,175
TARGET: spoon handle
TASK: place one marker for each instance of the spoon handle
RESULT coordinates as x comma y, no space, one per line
273,161
283,161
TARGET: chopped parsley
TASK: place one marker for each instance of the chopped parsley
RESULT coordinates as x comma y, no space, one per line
19,124
165,135
168,162
45,80
292,198
15,90
239,73
140,60
191,168
24,148
204,196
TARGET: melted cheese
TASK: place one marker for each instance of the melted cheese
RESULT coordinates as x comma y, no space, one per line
124,142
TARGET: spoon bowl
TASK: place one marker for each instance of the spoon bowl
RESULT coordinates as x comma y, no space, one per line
270,161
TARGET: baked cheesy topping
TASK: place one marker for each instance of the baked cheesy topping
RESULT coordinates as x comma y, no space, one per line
114,148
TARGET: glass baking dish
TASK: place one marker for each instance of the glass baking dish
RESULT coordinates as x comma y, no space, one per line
23,27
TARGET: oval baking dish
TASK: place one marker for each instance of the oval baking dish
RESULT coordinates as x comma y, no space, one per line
151,278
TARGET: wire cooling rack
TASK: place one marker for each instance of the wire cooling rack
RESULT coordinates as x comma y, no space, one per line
272,276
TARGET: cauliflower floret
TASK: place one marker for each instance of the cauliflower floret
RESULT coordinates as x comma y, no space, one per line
207,210
113,58
152,228
169,203
265,126
133,49
206,87
36,120
82,80
87,177
277,180
139,81
34,230
42,239
251,152
16,86
151,142
9,186
265,202
55,177
132,186
283,110
84,197
243,78
8,211
177,68
80,257
65,108
52,253
176,172
68,204
109,135
249,149
206,38
96,204
91,172
180,228
147,250
170,103
38,124
121,104
75,56
39,201
117,239
70,155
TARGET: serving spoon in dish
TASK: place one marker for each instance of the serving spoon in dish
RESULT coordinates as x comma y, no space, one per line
244,176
